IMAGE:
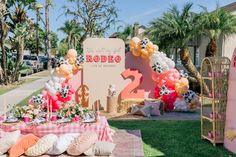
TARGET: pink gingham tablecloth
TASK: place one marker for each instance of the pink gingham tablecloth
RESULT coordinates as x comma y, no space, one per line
101,127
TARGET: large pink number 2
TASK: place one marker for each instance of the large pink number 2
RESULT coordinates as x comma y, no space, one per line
129,90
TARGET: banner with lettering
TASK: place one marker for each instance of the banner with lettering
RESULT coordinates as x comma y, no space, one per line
104,63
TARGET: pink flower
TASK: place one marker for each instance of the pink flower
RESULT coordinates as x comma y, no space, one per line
36,111
68,113
26,115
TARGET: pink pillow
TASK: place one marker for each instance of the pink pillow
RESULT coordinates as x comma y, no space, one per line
82,143
142,111
155,107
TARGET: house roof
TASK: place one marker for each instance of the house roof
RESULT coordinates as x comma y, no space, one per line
230,7
143,27
114,35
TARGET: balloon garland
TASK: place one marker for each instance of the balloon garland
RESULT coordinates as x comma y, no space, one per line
58,89
143,48
172,86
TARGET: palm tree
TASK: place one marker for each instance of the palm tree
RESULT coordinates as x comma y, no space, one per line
47,42
3,34
21,26
125,35
21,31
177,28
127,32
72,31
75,37
216,23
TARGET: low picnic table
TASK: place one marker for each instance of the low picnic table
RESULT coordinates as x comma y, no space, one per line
101,127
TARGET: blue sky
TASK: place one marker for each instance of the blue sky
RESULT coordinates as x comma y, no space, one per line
130,11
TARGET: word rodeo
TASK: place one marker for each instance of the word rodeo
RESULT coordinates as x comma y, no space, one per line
103,58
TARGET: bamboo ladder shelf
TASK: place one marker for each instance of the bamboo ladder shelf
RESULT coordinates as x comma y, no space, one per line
214,73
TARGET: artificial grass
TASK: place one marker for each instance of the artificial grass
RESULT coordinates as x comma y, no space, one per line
25,101
172,138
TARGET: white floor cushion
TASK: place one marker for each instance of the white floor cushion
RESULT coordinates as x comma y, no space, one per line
8,141
62,143
101,148
82,143
42,146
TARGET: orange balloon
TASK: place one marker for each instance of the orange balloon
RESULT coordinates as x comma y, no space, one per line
144,54
136,53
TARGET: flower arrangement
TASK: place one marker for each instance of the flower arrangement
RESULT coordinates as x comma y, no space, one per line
70,110
31,111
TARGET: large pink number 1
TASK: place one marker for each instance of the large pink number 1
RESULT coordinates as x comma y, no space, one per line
128,91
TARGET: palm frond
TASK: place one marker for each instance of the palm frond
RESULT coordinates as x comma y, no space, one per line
175,28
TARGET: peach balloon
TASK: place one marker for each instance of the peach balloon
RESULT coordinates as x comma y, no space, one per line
137,49
156,48
71,55
65,70
181,86
135,40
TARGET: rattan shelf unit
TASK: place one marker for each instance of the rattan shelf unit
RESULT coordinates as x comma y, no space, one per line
214,73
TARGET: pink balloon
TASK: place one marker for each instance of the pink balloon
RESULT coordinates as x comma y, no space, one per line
54,97
171,79
69,97
44,93
59,103
30,102
155,76
56,105
169,100
72,90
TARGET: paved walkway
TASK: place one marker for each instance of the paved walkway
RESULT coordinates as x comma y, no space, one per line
17,95
165,116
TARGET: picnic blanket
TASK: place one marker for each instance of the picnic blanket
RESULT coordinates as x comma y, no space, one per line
101,127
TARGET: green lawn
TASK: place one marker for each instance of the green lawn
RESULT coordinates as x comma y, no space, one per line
4,89
172,138
25,101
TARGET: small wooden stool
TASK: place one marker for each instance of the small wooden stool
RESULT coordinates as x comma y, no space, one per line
112,104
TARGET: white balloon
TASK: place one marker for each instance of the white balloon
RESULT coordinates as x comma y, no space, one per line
56,79
163,60
62,79
52,92
57,86
47,86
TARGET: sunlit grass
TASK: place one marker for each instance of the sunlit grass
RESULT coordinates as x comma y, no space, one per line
172,138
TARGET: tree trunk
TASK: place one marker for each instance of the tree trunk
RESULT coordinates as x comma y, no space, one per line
211,48
69,41
188,64
19,59
4,55
83,37
47,45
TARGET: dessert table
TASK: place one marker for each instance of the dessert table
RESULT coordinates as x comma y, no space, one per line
101,127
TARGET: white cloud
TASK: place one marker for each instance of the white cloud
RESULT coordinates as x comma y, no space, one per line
146,13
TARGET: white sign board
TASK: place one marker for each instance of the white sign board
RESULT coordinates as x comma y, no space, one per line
104,63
